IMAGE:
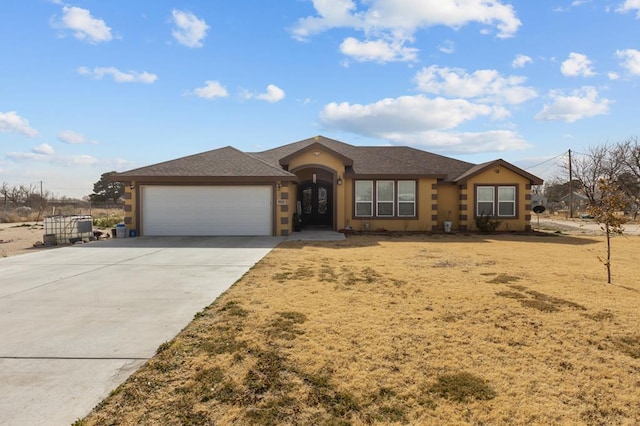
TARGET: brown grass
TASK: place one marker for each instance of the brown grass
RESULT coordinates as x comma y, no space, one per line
411,330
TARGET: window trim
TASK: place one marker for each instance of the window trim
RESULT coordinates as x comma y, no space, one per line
496,202
396,202
514,202
415,196
355,198
392,201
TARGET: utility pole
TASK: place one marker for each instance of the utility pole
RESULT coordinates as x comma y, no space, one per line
570,186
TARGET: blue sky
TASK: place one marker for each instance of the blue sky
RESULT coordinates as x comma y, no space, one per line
91,86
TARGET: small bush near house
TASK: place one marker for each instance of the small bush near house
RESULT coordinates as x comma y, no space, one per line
486,225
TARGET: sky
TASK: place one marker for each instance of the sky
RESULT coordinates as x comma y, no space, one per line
88,86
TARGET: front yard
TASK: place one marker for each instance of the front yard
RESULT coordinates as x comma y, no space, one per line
436,329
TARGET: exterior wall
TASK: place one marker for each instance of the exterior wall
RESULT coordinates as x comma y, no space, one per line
500,176
325,159
131,207
284,209
448,197
425,220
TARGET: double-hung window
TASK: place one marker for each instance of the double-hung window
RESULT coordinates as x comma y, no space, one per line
506,201
385,198
364,198
496,200
406,198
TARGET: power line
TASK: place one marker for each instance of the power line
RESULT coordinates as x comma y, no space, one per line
562,154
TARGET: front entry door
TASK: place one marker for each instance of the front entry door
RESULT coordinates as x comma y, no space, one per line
317,205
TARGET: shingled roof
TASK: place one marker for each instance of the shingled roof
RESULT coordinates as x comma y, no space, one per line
360,161
377,160
222,162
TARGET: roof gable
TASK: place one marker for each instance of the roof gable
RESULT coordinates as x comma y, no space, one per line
475,170
284,161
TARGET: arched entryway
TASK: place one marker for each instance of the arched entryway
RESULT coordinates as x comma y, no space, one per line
316,203
316,196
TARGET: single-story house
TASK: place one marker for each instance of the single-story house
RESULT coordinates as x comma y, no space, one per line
322,182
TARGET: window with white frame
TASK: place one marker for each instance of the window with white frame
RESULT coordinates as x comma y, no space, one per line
485,196
496,200
364,198
390,199
506,201
384,198
406,198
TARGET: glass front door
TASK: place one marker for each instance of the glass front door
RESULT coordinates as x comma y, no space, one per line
316,200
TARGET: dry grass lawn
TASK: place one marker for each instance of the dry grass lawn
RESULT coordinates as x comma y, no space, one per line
406,330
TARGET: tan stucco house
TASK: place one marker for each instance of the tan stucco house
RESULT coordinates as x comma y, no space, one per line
322,182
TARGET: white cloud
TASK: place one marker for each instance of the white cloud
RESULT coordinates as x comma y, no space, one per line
580,104
406,114
630,6
613,75
119,76
44,149
189,30
521,60
77,160
447,47
212,89
631,59
483,85
12,122
84,26
25,156
273,94
577,65
465,142
393,23
418,120
71,137
377,51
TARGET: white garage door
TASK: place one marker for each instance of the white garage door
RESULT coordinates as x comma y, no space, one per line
206,210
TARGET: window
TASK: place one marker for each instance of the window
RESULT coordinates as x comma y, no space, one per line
485,198
385,197
506,201
406,198
486,204
364,198
392,199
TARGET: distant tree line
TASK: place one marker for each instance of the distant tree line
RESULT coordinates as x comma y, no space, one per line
30,196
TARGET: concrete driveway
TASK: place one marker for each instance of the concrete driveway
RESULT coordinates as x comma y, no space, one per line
77,321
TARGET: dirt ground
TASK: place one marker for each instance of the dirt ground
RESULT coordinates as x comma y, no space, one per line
20,238
427,329
24,237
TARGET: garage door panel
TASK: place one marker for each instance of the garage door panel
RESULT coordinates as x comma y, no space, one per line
207,210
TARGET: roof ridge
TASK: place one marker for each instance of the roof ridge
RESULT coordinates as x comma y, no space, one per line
252,155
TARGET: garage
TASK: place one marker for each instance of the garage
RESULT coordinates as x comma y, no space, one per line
206,210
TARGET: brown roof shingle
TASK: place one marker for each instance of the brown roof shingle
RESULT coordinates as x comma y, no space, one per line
222,162
360,161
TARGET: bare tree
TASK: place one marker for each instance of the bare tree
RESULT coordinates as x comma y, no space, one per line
607,212
628,157
599,162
